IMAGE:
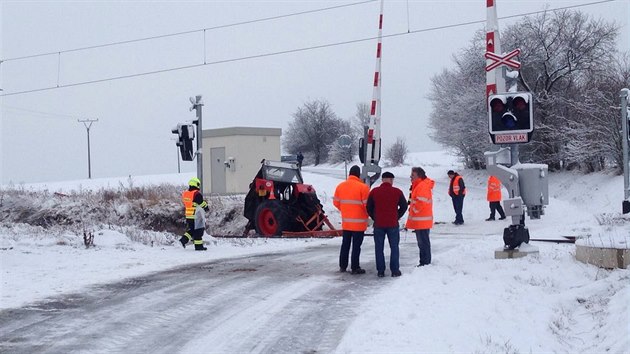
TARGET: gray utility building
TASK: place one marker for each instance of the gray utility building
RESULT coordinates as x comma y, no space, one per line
231,156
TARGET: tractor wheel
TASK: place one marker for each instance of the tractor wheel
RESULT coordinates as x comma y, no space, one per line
271,218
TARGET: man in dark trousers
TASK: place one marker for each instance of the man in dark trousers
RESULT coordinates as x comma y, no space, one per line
195,221
420,217
457,191
386,205
351,199
494,198
299,157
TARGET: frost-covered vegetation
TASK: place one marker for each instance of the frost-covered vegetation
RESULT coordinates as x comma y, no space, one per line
148,214
572,68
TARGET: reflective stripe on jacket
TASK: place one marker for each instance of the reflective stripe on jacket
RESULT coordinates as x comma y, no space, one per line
192,198
494,189
456,187
351,200
421,205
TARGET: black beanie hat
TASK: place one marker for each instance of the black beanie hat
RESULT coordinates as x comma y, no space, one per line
387,175
355,171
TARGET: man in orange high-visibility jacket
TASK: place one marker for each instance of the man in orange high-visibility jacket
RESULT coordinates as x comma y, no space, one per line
457,191
420,218
195,219
351,199
494,198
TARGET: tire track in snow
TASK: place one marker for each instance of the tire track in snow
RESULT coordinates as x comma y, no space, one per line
291,301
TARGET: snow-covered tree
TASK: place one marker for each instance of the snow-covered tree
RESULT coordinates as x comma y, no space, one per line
315,127
567,60
459,117
562,53
361,118
337,152
596,140
397,152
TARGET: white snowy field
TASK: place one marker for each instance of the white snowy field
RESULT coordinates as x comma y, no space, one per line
466,301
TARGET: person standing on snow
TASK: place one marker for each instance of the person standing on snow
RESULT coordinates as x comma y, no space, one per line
457,191
299,157
351,199
494,198
386,205
195,207
420,218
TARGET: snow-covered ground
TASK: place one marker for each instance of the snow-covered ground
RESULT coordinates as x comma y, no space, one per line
466,301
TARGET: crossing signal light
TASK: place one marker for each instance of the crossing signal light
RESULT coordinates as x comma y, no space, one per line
186,135
510,117
373,156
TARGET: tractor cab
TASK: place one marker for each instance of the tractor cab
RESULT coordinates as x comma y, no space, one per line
280,180
287,172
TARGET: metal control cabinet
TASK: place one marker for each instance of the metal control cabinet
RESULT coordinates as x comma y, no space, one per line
232,156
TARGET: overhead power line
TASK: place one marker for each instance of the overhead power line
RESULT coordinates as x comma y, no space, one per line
264,19
60,115
296,50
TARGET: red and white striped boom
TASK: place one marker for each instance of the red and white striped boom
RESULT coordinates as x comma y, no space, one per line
495,82
370,144
374,127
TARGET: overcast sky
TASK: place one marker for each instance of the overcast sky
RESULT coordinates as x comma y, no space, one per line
42,140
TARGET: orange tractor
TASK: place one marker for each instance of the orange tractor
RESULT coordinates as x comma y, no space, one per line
280,204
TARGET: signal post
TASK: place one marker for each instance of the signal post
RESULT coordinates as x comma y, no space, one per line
510,123
625,139
186,134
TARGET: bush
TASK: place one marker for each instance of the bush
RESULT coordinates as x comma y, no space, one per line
397,153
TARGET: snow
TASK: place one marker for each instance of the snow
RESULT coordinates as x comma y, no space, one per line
61,264
466,301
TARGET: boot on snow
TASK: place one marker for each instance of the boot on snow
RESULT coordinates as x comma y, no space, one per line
183,240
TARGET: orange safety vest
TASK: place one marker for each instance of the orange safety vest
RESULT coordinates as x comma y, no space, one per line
421,205
494,189
455,184
187,199
351,199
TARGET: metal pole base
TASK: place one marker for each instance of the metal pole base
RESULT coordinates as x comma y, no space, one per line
514,236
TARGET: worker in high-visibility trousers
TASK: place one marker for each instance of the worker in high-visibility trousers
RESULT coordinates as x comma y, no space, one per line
195,207
494,198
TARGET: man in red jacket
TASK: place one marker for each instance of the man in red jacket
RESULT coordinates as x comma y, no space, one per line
386,204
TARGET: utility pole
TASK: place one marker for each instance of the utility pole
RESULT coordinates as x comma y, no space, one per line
88,124
197,105
177,150
625,142
178,165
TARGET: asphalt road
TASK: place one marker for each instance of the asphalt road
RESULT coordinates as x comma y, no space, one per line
293,301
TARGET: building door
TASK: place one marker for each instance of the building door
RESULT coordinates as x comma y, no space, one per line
217,170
